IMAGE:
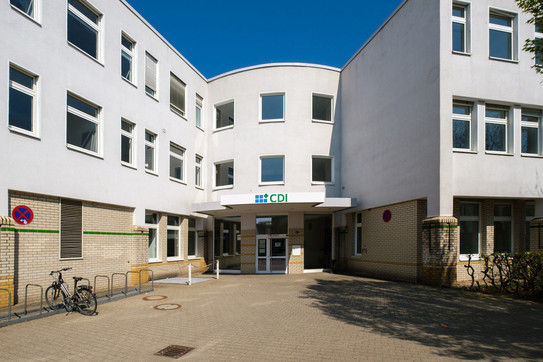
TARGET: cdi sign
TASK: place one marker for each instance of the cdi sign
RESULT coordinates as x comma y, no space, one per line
273,198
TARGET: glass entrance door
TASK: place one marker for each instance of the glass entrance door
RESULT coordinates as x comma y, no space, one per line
271,254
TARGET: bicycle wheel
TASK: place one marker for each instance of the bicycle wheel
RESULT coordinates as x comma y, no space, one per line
53,297
85,302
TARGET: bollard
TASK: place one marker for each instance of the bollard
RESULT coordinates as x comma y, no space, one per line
190,274
217,268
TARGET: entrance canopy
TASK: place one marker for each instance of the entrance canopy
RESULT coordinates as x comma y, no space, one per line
274,202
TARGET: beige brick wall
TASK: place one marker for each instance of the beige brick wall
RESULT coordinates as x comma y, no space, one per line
295,262
7,249
248,251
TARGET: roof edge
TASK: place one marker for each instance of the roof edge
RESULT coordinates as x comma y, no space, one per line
272,65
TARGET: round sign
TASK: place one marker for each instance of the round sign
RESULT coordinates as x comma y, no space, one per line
22,215
387,215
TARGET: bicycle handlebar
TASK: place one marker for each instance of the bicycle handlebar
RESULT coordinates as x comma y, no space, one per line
58,271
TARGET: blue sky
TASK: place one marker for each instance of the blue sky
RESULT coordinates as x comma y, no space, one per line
218,36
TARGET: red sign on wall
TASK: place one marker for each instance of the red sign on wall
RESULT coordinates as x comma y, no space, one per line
387,215
22,215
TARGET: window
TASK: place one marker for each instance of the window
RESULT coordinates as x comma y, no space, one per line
462,125
530,215
460,28
22,100
224,174
177,95
177,155
83,124
151,222
127,58
71,229
224,115
84,27
272,107
321,169
496,124
358,235
530,131
539,37
501,35
198,171
173,244
199,106
193,239
150,154
272,169
322,108
151,75
127,140
503,228
469,229
26,6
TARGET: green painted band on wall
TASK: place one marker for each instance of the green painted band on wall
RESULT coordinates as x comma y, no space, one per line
31,231
439,226
115,234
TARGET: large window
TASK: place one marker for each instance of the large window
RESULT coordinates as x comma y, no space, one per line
224,174
503,228
151,75
198,171
272,107
272,169
496,128
462,125
151,222
460,28
224,115
531,119
22,100
199,107
83,124
28,7
173,242
177,162
150,152
84,27
127,142
71,229
358,235
177,95
193,239
501,35
322,109
127,58
469,229
321,169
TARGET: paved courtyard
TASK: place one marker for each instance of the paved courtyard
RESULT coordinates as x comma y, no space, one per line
310,317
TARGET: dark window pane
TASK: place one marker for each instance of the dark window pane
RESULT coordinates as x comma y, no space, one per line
84,10
192,243
458,37
224,115
82,35
82,106
500,20
126,66
26,6
21,78
322,108
458,11
461,133
126,43
529,140
500,45
272,169
358,240
502,236
81,133
224,174
272,107
126,149
460,109
469,237
495,137
20,110
322,169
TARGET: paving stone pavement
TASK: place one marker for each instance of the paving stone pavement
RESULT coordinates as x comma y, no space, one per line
309,317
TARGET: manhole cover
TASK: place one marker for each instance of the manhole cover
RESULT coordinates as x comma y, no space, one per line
174,351
167,306
155,297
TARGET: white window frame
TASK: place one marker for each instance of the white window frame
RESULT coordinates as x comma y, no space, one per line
96,120
173,107
179,158
151,71
282,119
263,183
332,176
357,225
30,92
36,14
198,170
331,98
230,126
465,21
195,230
154,146
132,137
130,53
87,21
504,29
499,121
537,125
506,218
156,228
465,118
177,228
464,257
215,187
199,108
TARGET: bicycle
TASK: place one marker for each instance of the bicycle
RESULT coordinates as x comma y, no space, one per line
58,295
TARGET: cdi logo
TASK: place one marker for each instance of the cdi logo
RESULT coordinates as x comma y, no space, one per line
274,198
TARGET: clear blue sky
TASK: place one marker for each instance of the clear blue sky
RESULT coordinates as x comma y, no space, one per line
218,36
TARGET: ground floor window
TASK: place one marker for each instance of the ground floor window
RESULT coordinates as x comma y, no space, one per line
530,215
173,242
227,242
503,228
358,235
151,221
193,239
71,229
469,228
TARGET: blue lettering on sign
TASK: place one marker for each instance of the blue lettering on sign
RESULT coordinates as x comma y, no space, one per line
261,199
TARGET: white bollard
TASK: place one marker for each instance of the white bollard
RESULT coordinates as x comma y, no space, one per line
217,269
190,274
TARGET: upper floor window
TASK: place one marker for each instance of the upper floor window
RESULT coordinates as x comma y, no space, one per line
496,128
177,162
198,171
177,95
501,35
272,107
224,173
530,122
460,28
151,74
150,154
321,169
82,124
462,125
224,114
127,140
322,108
84,27
127,58
22,100
272,169
28,7
199,106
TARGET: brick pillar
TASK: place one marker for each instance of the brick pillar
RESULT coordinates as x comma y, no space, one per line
7,261
536,234
295,240
248,251
139,259
440,243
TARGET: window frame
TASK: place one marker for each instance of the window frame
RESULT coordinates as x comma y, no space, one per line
81,114
465,22
526,112
357,226
198,170
322,95
130,53
216,114
154,146
509,219
499,121
512,30
332,176
226,186
151,92
464,118
199,112
264,183
132,137
179,158
36,10
179,109
464,257
195,230
34,93
88,22
261,109
156,227
177,229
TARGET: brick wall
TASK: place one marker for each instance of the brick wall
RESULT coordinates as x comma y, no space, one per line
295,262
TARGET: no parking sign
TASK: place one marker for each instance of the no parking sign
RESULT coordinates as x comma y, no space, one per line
22,215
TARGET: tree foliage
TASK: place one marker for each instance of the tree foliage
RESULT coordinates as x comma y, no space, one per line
535,45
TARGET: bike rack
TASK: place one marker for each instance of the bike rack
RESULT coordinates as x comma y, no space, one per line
9,301
152,280
108,285
87,280
41,297
112,283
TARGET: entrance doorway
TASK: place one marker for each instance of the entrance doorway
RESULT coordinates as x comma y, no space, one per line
271,254
317,242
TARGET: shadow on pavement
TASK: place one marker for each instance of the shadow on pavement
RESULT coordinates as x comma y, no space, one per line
454,323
